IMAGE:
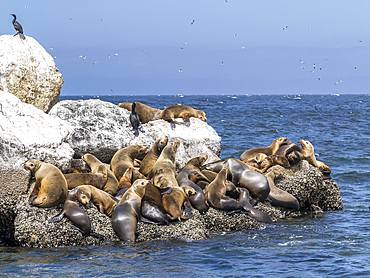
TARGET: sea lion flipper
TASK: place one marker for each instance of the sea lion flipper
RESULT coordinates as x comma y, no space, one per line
173,125
58,217
31,199
99,236
147,221
166,190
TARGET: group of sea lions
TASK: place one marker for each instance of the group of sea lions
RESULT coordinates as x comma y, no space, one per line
146,186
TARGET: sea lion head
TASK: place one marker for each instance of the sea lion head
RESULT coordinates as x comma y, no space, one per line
83,194
33,165
188,190
201,115
280,140
139,187
162,143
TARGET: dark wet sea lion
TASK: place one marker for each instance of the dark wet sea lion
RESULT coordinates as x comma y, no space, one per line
163,172
95,165
198,200
103,200
270,150
152,210
145,112
173,201
127,213
280,197
257,214
124,159
241,176
181,111
152,156
291,151
51,186
77,215
216,194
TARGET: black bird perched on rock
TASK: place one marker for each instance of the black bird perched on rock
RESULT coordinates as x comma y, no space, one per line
18,27
134,119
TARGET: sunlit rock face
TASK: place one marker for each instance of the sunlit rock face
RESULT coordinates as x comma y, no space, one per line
29,72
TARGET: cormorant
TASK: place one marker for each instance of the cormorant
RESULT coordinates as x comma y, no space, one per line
134,119
17,27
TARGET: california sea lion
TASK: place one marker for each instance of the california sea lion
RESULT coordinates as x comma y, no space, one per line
124,159
216,194
152,210
124,183
197,200
181,111
274,159
145,112
95,165
270,150
325,170
77,215
127,212
173,202
97,180
163,172
152,156
103,200
196,163
280,197
291,151
309,155
51,186
240,175
257,214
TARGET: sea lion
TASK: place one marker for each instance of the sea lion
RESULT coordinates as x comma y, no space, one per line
279,197
270,150
97,180
273,160
152,156
196,163
291,151
95,165
124,159
309,155
152,210
145,112
134,120
51,186
241,176
103,200
77,215
124,183
198,200
216,194
163,172
181,111
316,212
173,201
127,212
257,214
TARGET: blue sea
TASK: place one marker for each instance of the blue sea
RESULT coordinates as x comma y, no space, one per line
337,245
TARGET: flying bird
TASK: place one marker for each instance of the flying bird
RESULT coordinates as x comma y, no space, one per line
17,27
192,22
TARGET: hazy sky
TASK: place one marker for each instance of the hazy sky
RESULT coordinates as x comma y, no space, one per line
201,47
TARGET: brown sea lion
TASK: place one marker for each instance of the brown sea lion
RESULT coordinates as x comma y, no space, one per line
257,214
173,202
124,183
95,165
124,159
152,210
197,200
97,180
325,170
163,172
152,156
51,186
273,160
242,176
291,151
196,163
145,112
308,152
103,200
127,212
181,111
279,197
77,215
216,194
270,150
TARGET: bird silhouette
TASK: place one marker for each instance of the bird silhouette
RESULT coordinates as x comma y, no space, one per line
18,27
134,120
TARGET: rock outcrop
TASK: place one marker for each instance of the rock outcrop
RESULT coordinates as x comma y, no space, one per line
29,72
102,128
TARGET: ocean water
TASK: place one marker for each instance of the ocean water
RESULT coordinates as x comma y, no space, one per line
336,245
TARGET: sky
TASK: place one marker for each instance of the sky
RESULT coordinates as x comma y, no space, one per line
201,47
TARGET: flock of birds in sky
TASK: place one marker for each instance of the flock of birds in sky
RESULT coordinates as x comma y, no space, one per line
313,69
